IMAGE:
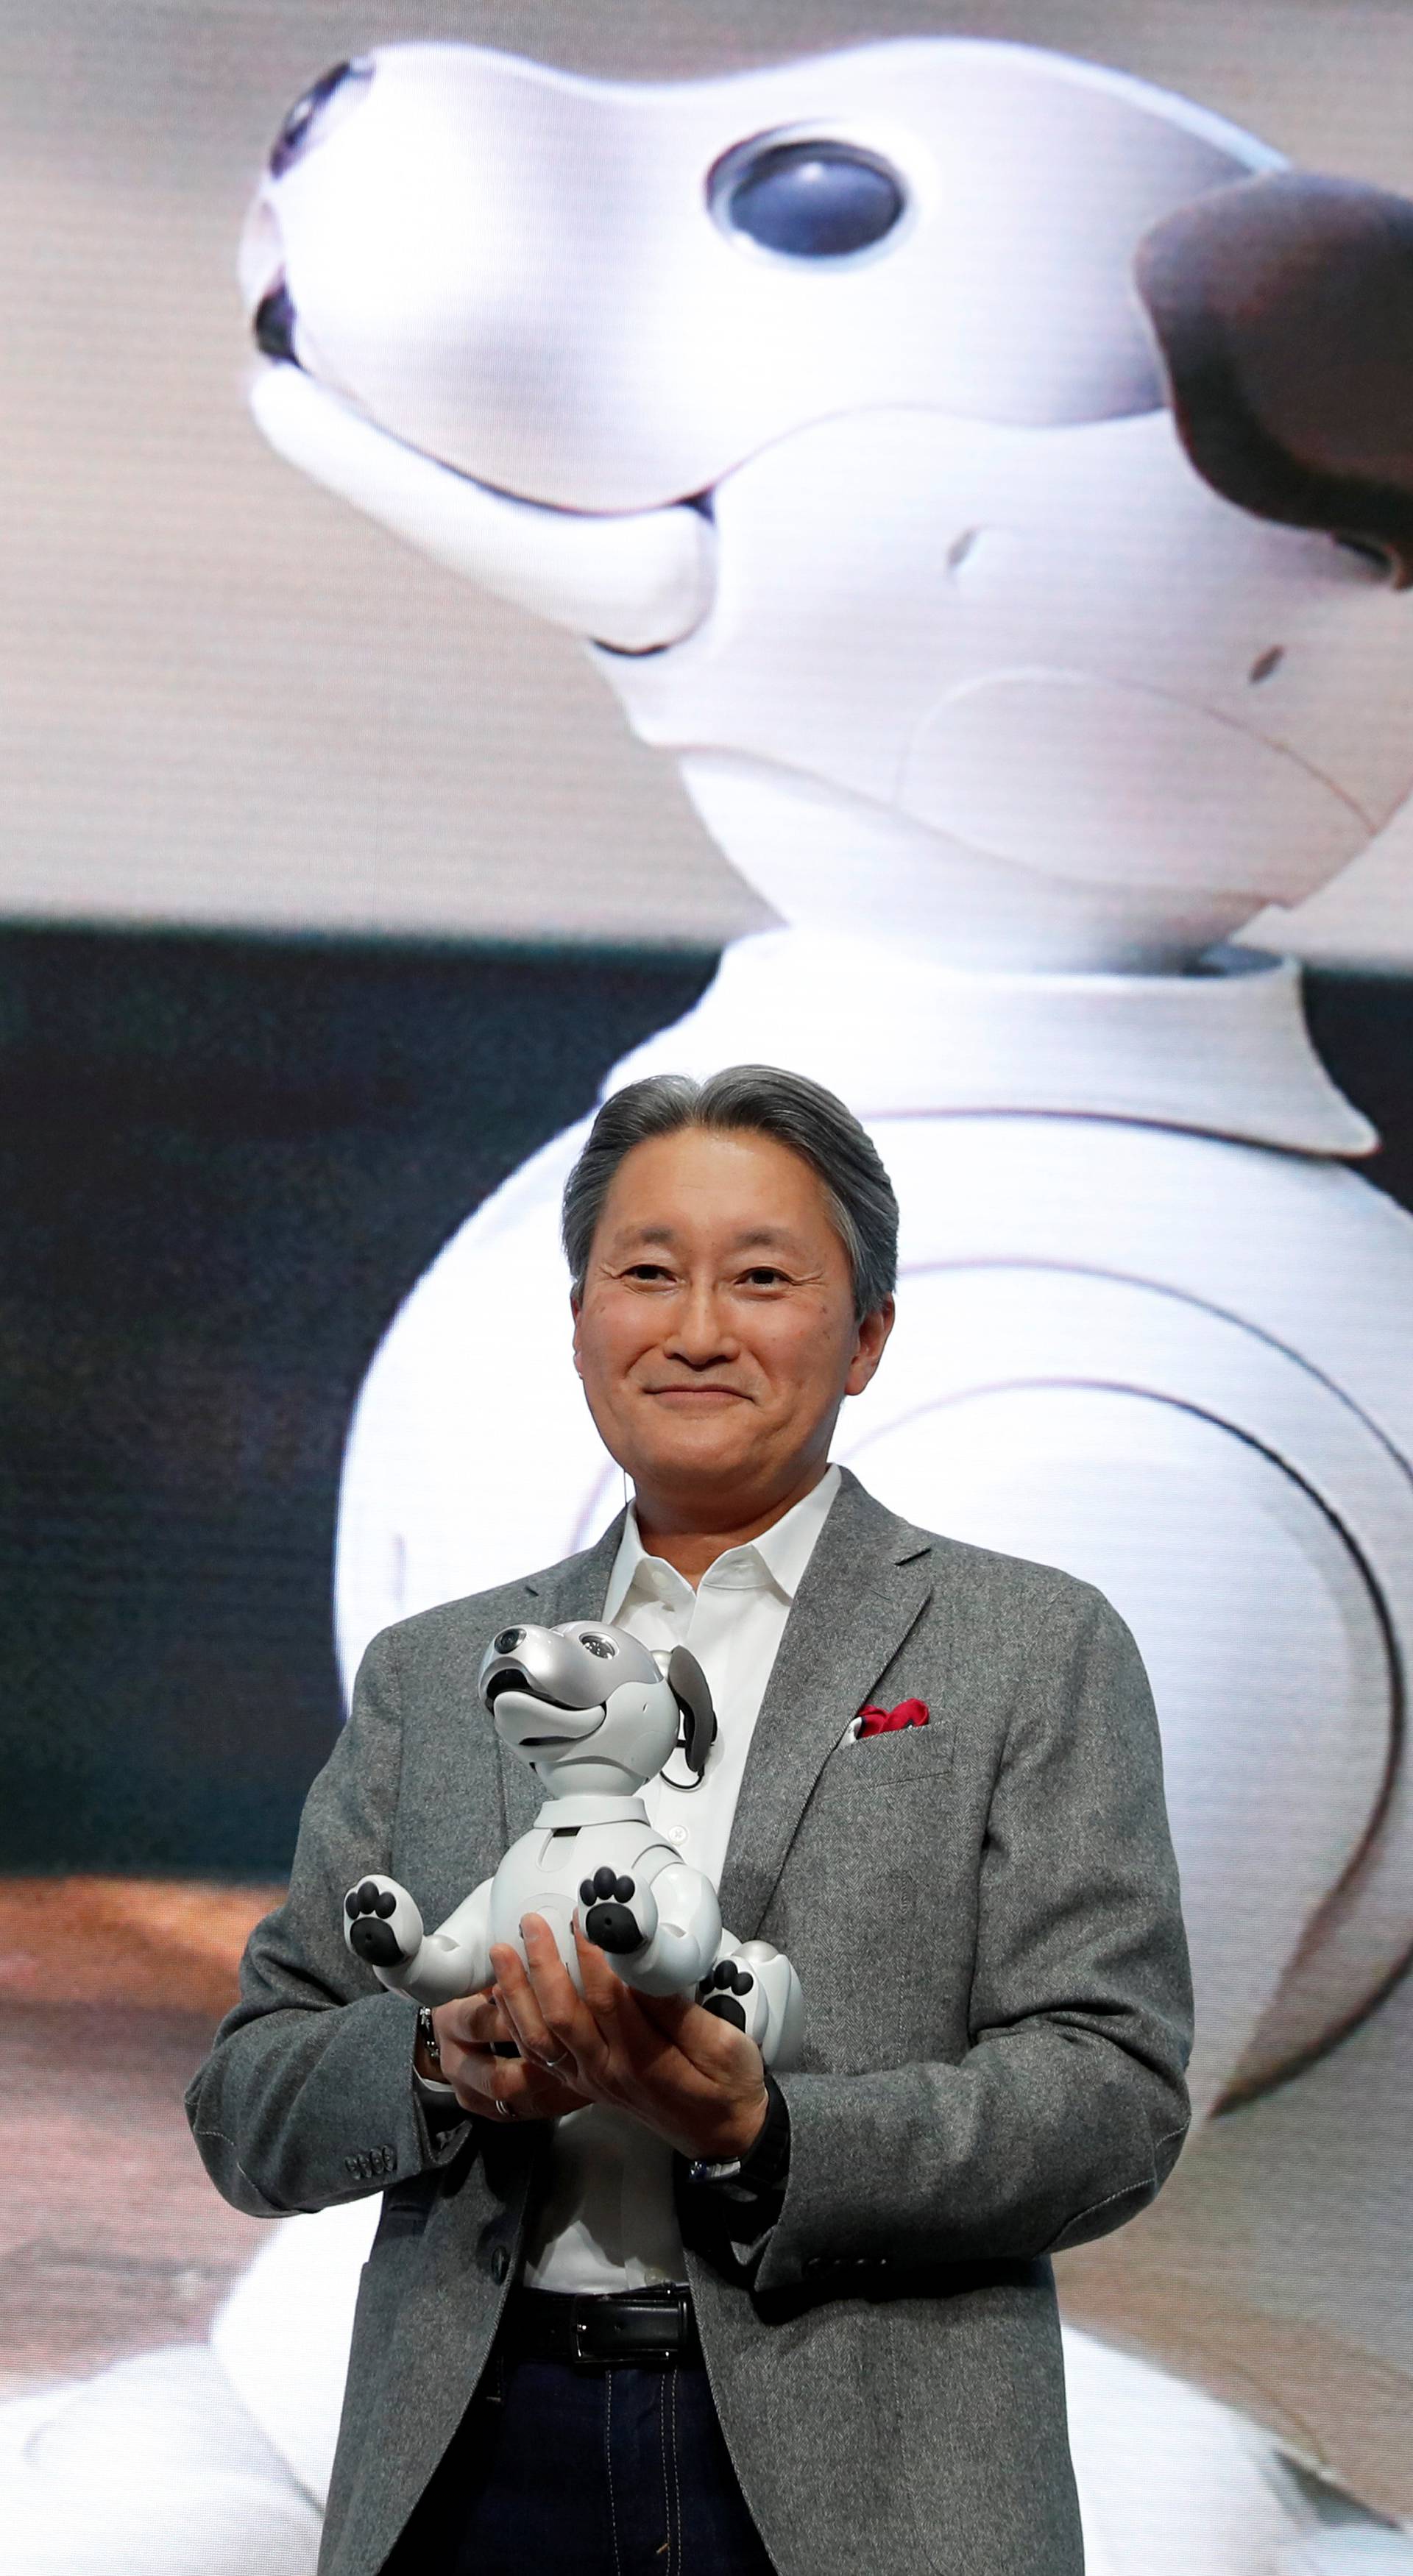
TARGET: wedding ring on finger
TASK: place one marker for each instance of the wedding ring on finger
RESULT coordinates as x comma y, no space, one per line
503,2109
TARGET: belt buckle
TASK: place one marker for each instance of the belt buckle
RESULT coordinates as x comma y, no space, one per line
679,2308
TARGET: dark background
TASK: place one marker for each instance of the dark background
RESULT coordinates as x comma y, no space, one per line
223,1162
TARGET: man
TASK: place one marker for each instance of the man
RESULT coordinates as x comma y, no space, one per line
590,2204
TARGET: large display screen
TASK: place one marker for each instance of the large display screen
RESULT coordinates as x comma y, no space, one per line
545,546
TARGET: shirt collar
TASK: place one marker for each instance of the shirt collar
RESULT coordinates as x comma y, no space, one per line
784,1549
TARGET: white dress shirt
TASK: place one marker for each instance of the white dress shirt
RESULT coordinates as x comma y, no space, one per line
607,2221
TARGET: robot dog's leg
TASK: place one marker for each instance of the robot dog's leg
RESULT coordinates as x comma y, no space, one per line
383,1926
754,1985
679,1928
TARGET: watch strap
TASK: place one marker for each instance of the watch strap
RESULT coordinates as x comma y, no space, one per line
766,2163
435,2087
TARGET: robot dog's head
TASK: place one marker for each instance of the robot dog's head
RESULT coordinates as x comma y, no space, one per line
1010,465
586,1707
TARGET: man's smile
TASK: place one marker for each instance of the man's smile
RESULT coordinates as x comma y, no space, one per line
698,1394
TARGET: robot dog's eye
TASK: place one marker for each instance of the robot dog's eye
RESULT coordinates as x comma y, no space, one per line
597,1645
507,1641
313,118
806,200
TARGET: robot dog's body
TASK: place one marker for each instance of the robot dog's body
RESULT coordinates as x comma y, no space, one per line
585,1706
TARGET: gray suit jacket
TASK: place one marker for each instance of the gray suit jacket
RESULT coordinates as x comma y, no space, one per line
984,1915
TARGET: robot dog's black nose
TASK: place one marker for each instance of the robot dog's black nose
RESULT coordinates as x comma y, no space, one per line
323,106
273,325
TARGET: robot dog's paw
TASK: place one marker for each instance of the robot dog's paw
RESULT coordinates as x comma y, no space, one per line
753,1985
381,1923
609,1921
725,1990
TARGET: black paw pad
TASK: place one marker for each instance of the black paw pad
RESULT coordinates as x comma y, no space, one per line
606,1883
725,2008
727,1978
610,1926
369,1898
375,1941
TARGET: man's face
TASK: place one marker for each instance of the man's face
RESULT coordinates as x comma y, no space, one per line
716,1337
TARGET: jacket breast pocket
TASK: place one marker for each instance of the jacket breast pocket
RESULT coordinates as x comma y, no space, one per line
876,1904
886,1799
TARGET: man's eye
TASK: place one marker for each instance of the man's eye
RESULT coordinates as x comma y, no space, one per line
653,1270
764,1277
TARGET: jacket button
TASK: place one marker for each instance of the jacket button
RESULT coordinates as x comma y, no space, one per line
500,2263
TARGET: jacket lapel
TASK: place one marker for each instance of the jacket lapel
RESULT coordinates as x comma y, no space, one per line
866,1583
573,1589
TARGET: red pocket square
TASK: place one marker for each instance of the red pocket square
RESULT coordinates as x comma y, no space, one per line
886,1721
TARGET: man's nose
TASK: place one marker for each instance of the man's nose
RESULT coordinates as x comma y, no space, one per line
699,1332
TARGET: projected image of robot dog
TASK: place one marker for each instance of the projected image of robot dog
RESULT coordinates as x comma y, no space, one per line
990,477
984,473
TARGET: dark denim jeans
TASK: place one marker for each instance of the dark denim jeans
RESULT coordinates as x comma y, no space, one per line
573,2472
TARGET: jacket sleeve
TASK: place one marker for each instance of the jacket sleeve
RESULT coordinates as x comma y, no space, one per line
307,2097
1069,2107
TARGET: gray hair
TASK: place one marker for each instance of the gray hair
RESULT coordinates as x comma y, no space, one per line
760,1097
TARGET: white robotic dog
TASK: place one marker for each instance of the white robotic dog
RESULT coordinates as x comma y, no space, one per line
585,1706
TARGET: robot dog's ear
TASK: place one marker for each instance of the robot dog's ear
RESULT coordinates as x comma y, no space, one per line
1283,309
692,1691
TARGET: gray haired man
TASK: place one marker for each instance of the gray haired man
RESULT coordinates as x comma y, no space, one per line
633,2305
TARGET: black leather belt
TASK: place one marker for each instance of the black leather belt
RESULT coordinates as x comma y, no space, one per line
644,2328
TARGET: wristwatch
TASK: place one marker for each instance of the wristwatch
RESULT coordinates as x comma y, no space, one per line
766,2162
434,2089
427,2040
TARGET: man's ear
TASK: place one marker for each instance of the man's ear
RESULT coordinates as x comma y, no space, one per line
1283,312
576,1305
873,1333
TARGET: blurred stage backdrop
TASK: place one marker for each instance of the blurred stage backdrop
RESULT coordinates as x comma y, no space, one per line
334,883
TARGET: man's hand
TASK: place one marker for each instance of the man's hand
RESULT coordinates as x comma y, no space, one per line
690,2077
466,2031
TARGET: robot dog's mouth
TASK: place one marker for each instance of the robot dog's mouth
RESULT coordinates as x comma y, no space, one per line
636,581
508,1679
511,1678
274,327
